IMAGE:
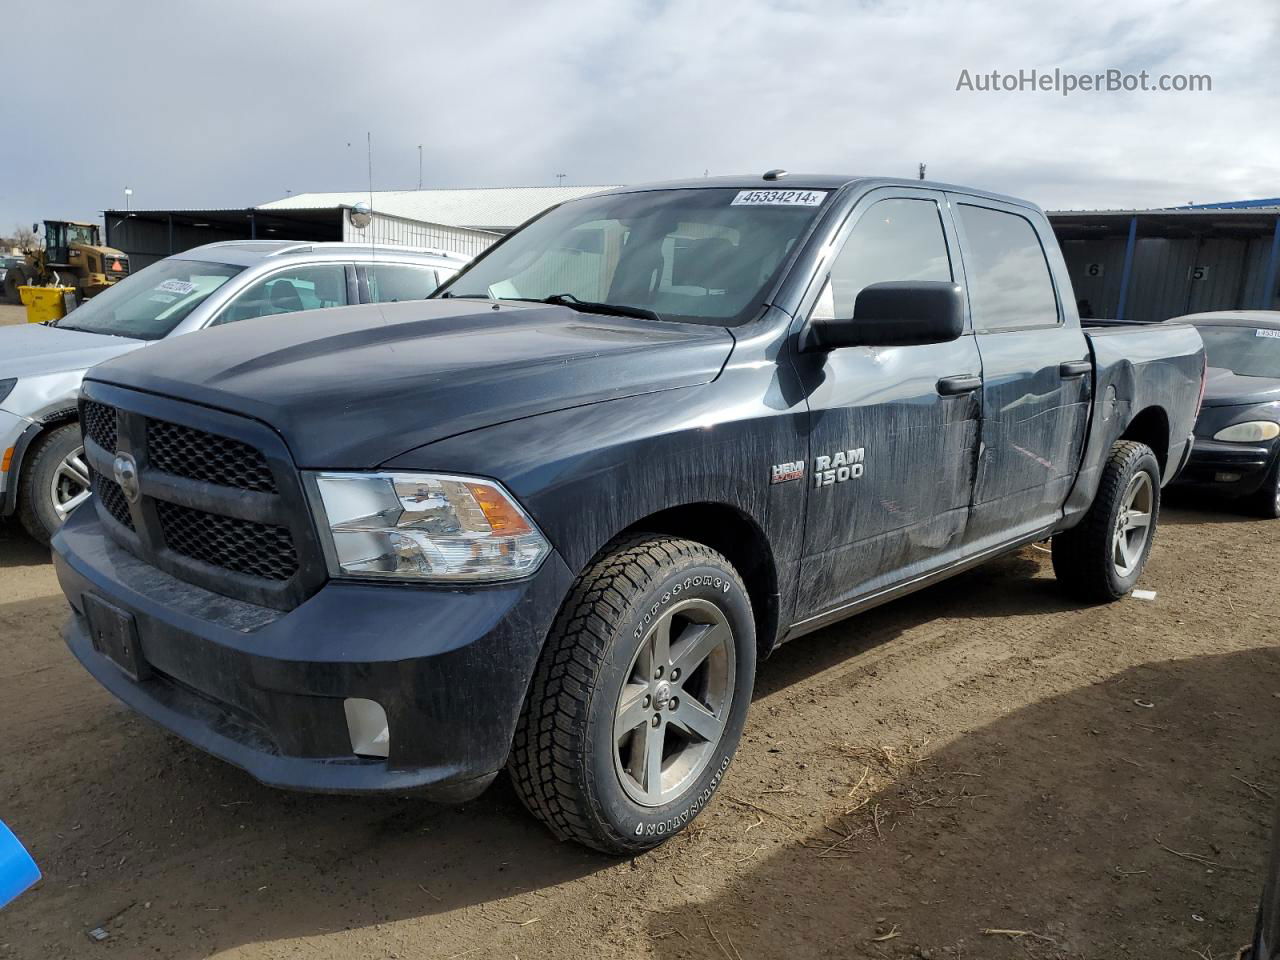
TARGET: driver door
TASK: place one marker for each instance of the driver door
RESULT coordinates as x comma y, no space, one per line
893,430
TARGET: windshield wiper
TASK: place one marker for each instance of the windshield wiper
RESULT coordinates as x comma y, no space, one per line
592,306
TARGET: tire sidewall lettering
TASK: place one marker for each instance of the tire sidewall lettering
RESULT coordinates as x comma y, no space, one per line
721,585
674,822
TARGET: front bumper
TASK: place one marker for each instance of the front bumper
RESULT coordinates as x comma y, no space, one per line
264,689
1228,469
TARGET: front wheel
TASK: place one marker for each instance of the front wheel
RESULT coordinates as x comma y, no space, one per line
54,481
1267,502
12,280
1102,557
640,696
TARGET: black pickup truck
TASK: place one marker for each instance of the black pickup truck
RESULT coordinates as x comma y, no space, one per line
552,519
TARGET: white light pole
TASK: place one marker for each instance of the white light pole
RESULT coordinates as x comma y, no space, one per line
128,195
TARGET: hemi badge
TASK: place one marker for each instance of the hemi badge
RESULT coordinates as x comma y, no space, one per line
782,472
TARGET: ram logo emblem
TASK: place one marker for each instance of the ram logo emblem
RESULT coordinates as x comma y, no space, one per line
845,465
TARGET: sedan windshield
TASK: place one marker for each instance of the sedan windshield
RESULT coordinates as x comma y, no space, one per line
1245,351
700,255
149,304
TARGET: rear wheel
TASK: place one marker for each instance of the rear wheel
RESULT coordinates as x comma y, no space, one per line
640,696
55,480
1102,557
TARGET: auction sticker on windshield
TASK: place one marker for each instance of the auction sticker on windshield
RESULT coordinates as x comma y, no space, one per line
180,287
779,198
1273,334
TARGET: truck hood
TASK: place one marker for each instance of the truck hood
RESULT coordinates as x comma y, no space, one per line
352,387
1224,389
30,350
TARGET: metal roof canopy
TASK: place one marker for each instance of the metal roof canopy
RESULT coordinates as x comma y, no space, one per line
1240,222
497,209
256,223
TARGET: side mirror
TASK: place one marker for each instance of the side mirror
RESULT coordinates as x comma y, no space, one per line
896,314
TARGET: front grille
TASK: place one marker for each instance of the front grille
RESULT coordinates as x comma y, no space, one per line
100,424
255,549
221,505
197,455
112,497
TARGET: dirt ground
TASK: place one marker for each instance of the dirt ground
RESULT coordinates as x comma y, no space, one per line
12,313
982,770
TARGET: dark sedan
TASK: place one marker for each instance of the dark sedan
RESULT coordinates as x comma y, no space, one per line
1237,450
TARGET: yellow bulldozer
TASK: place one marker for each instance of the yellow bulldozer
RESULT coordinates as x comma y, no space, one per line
72,256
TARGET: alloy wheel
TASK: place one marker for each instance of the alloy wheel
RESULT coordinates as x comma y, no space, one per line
1133,524
674,702
70,484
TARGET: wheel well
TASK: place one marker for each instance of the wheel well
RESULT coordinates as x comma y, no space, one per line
732,533
1151,427
49,423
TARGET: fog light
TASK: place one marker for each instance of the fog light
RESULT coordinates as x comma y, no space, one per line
1226,477
367,725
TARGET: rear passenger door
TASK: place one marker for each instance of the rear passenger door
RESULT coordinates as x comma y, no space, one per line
292,289
1037,370
893,430
394,282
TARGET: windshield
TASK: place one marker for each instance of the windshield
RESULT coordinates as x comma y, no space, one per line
1245,351
149,304
700,255
76,233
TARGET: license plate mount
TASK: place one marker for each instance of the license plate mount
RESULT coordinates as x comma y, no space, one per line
114,633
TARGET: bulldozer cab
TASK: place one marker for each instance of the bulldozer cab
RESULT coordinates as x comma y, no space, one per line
63,236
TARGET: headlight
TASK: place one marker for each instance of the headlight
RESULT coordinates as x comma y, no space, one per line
1255,431
425,526
6,388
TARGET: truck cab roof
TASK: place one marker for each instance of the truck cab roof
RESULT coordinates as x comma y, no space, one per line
810,181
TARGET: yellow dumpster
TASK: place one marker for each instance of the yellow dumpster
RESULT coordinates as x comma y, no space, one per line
45,303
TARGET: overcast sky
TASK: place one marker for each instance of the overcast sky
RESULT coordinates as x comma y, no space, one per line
236,103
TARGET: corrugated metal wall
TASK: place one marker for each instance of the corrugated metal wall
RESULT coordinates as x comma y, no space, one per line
1095,267
1170,277
394,231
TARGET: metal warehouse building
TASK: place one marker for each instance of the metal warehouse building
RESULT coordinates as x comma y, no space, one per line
464,221
1156,264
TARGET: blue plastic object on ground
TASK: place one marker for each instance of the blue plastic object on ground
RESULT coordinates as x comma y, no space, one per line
17,870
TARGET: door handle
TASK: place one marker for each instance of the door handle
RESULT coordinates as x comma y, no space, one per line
1074,368
963,383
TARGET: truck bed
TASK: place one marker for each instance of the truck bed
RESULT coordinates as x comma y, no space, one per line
1138,368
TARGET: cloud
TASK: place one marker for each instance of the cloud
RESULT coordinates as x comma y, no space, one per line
233,104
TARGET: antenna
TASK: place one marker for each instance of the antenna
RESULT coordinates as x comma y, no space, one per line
373,252
419,166
560,179
923,166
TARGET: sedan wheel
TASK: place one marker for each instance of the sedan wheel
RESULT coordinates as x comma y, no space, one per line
70,485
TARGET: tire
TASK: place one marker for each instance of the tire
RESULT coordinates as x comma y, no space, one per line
54,482
1098,561
12,280
1267,501
577,761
